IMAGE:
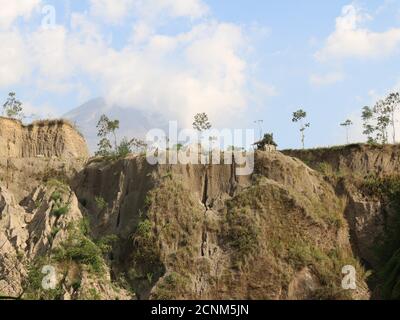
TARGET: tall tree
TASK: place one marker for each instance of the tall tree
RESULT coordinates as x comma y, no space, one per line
13,107
201,124
347,124
382,113
393,103
106,126
369,129
300,116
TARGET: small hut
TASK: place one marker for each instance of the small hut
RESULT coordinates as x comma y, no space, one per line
267,143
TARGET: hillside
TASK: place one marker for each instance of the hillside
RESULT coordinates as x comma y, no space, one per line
128,230
368,177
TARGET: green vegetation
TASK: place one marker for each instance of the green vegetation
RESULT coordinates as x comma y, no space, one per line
124,148
170,286
33,289
387,189
92,294
59,208
12,108
178,221
101,203
267,140
377,119
80,249
79,253
281,234
107,127
56,196
144,231
242,231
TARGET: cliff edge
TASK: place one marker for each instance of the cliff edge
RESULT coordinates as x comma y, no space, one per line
48,138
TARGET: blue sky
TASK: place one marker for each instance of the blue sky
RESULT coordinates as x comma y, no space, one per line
238,60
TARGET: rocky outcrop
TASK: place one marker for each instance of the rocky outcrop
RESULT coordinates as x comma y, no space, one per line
31,235
21,176
55,138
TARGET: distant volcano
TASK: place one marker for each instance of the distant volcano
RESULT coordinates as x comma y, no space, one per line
133,122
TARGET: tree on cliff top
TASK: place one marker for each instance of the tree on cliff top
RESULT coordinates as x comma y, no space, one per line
12,108
347,124
300,116
393,104
105,127
267,140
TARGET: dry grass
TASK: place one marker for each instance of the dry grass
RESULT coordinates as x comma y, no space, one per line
266,225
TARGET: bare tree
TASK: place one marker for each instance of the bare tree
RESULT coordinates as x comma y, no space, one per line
347,124
393,103
300,116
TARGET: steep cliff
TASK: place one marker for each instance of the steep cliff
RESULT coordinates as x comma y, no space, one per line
368,177
126,229
56,138
200,232
45,235
42,227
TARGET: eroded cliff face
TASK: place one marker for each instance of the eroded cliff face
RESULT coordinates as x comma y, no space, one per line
42,226
368,177
200,232
43,138
126,229
41,234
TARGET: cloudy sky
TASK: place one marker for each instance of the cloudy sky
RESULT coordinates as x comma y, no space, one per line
237,60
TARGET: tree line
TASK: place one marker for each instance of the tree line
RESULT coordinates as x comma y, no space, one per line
378,120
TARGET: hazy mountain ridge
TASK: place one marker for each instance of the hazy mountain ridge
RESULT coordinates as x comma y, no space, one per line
133,122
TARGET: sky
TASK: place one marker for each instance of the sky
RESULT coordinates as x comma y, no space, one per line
237,60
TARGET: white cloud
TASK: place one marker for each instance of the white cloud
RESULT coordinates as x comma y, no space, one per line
12,9
202,69
48,49
110,10
116,11
350,39
14,64
326,79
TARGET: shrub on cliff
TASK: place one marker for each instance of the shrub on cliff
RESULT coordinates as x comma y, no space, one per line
13,107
